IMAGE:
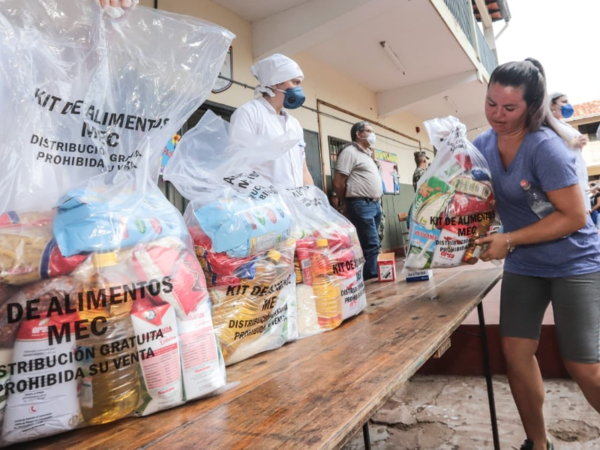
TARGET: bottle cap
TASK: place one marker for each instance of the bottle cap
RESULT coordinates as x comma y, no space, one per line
274,255
322,243
525,184
100,260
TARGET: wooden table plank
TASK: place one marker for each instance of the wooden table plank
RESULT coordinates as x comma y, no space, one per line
278,399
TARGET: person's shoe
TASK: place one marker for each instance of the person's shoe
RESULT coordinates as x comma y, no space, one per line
529,445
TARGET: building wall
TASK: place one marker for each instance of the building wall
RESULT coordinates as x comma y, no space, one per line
591,152
321,82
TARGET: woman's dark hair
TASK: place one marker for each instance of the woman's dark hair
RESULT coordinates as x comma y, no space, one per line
529,75
358,126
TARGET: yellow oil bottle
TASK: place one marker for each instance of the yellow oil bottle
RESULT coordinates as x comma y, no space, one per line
111,390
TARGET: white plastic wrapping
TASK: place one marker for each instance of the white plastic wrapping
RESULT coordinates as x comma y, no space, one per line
87,241
241,230
454,204
79,84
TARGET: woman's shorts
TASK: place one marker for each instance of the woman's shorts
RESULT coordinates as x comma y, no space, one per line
576,305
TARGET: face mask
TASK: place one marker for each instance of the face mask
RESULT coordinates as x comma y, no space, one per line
293,97
567,110
371,138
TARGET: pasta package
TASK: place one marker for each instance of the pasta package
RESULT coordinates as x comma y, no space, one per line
260,314
28,250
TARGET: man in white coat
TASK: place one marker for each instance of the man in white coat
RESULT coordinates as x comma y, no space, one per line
279,89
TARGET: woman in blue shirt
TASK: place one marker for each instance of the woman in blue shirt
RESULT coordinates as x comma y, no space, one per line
555,258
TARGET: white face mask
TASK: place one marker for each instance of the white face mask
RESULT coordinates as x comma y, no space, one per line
371,138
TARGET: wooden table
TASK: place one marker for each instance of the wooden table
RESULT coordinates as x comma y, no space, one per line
316,392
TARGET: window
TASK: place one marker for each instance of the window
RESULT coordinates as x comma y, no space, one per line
335,148
589,129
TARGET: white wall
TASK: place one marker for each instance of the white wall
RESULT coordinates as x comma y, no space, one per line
321,82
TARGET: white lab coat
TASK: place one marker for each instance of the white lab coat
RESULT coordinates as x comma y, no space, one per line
259,117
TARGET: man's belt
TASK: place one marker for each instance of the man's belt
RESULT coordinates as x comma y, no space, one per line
354,199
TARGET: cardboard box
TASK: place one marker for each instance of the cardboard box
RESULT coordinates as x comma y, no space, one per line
386,266
419,275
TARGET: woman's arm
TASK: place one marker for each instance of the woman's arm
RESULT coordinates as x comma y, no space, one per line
569,216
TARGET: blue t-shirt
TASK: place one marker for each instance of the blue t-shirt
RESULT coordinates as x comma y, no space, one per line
545,161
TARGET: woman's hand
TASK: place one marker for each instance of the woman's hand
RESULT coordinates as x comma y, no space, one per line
116,8
580,141
497,246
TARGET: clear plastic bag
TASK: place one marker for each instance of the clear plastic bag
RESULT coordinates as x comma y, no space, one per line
241,228
91,94
104,307
454,204
328,263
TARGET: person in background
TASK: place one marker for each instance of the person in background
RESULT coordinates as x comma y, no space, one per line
422,162
279,89
358,182
381,231
595,207
556,258
562,109
396,177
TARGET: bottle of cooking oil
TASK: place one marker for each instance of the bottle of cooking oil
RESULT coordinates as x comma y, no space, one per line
326,288
112,390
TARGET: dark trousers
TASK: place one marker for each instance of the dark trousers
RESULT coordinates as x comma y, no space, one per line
365,215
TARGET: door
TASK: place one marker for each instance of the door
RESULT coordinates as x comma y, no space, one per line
313,157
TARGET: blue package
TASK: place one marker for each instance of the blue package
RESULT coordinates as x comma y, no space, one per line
88,221
243,226
480,175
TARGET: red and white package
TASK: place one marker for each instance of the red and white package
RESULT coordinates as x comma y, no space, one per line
169,262
160,363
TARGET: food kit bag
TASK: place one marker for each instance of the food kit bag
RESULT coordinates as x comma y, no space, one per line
328,263
104,308
454,204
241,228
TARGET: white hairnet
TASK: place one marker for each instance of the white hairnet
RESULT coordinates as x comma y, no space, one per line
274,70
555,95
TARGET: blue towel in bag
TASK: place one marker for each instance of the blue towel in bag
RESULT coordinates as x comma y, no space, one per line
243,226
88,221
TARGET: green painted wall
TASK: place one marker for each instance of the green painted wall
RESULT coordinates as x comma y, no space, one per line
393,235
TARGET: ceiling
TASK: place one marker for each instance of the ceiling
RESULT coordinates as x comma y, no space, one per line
346,34
253,10
413,30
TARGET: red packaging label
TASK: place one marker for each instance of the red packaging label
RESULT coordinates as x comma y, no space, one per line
54,264
184,271
344,264
466,205
37,329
